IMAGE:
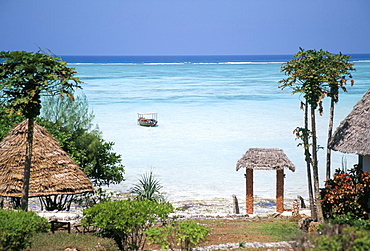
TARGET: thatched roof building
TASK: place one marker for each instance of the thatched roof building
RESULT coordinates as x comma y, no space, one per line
53,171
265,159
353,133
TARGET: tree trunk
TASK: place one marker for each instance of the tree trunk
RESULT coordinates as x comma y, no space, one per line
330,132
308,165
315,167
27,165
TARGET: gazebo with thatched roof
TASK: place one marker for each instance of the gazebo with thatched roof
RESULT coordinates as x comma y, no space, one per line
353,133
265,159
53,172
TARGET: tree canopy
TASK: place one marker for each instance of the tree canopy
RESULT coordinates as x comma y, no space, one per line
315,74
25,76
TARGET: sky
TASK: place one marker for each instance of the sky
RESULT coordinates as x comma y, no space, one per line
185,27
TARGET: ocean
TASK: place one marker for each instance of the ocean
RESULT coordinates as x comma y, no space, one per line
211,110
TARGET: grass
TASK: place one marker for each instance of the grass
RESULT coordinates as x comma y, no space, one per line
223,231
62,240
250,230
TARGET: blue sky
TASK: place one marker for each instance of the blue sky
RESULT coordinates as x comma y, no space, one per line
185,27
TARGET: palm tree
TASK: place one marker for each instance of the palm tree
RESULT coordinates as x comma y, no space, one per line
306,77
24,78
338,67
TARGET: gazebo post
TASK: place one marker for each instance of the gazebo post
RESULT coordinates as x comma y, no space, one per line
280,190
249,190
265,159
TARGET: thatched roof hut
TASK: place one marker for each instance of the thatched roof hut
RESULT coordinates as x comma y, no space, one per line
53,172
265,159
353,133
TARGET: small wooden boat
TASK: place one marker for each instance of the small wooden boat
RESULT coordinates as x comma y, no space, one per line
147,119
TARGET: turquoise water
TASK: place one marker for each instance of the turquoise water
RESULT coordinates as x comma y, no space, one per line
209,113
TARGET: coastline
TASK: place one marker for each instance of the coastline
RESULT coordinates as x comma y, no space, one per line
192,208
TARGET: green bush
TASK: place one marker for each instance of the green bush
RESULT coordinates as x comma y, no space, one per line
18,227
126,220
339,237
178,234
351,220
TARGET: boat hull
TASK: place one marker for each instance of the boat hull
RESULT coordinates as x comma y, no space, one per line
147,122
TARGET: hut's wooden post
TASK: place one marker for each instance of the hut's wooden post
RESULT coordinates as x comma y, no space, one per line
236,205
249,191
280,190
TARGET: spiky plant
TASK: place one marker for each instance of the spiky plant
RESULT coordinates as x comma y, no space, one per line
148,188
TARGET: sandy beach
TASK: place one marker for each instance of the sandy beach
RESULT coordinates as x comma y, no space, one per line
211,208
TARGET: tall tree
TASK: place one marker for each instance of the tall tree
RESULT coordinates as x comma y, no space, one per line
307,76
24,78
337,67
304,134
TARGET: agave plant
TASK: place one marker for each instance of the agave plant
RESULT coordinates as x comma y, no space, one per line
148,188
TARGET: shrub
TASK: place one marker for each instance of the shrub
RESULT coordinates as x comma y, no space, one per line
148,188
339,237
18,227
181,234
351,220
126,220
347,193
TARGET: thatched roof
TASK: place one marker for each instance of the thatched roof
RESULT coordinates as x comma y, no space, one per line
264,159
53,171
353,133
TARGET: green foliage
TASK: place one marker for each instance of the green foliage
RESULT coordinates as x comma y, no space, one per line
25,76
337,237
178,234
351,220
148,188
100,163
304,135
7,122
126,220
17,228
347,195
316,74
305,75
71,124
73,115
